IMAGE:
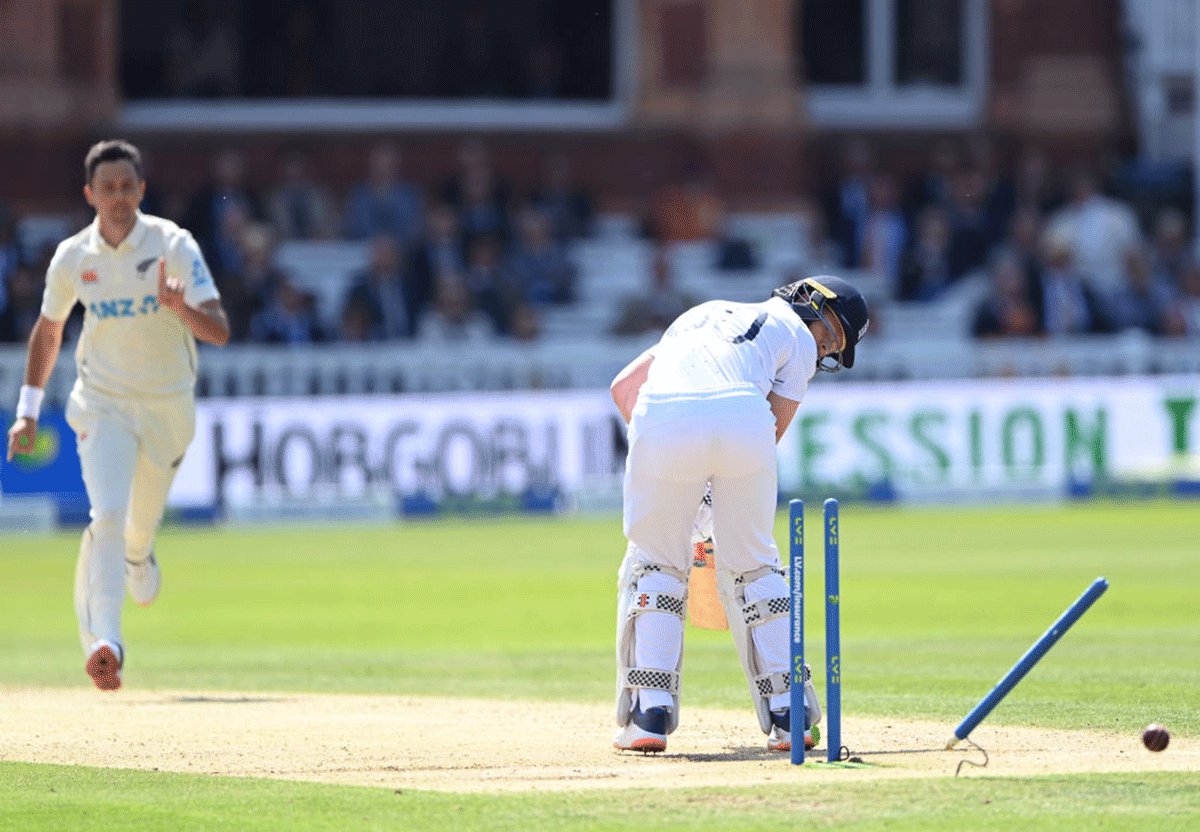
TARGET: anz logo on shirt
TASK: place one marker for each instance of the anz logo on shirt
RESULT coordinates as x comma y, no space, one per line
123,307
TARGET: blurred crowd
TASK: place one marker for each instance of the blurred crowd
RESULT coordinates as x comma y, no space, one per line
463,260
470,259
1060,255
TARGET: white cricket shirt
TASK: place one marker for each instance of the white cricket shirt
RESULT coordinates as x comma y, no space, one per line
721,345
130,346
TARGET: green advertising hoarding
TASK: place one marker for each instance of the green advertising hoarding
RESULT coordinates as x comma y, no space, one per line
992,436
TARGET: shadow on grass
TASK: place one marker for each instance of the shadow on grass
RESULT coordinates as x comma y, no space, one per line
224,700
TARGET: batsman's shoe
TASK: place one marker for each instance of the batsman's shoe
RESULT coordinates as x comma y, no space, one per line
104,665
645,732
144,579
780,738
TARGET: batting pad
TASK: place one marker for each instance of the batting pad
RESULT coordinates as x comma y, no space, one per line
766,678
635,576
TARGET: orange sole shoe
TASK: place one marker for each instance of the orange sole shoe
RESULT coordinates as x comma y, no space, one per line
105,668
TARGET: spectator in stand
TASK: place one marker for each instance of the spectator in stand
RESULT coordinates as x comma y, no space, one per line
1189,305
491,194
1103,233
885,233
935,186
290,318
216,215
250,289
454,319
1069,304
687,210
848,205
734,253
438,251
971,234
997,189
539,266
820,252
481,211
1147,302
383,201
926,271
655,310
1033,186
1024,232
355,324
24,305
1169,246
300,209
566,204
490,286
380,290
526,323
1010,309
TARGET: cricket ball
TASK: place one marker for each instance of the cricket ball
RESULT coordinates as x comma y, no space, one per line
1156,737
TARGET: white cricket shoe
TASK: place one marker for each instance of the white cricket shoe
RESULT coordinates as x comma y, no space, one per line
645,732
144,579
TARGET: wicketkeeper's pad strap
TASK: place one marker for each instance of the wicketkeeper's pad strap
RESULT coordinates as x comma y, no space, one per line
760,612
654,679
657,602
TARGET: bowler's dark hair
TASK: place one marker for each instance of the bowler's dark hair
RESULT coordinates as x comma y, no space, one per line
112,150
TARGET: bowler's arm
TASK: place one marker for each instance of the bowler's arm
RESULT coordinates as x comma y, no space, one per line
628,382
45,340
207,321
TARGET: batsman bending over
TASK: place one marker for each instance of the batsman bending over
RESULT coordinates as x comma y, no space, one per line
707,404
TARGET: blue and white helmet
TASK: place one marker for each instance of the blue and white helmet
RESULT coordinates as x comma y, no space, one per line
812,295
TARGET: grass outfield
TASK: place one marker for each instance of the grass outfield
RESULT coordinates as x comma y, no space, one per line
936,606
53,798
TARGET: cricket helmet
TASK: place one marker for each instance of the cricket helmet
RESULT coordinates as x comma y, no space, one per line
810,297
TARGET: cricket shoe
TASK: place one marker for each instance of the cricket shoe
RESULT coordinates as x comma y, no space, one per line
144,579
104,665
780,738
645,731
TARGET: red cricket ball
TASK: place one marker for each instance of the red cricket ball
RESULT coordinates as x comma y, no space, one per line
1156,737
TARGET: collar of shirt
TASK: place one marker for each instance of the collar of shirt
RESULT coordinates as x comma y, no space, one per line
132,240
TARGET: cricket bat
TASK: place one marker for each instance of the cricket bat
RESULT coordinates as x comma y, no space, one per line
704,608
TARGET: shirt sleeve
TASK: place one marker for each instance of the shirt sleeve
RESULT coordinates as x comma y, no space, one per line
791,380
59,295
185,261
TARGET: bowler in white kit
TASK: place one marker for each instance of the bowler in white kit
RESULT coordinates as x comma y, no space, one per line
707,405
147,296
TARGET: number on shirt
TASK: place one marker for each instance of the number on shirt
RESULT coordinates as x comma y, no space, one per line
752,331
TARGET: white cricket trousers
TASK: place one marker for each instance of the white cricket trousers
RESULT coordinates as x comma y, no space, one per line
677,445
129,452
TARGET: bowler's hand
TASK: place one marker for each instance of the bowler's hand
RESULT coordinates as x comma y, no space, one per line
170,289
21,436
